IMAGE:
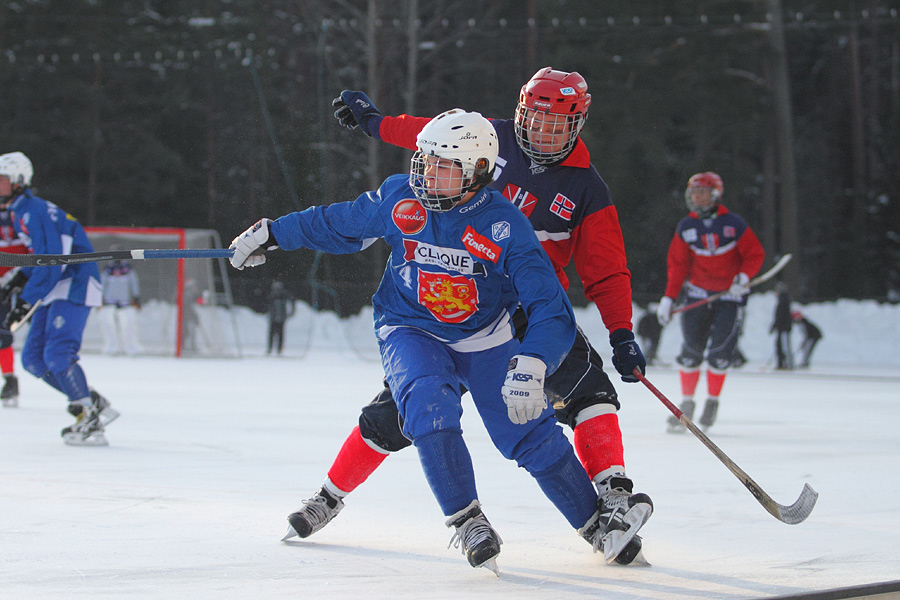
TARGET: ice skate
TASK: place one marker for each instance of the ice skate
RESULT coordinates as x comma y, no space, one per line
316,513
107,413
620,515
480,542
9,395
675,426
709,413
87,429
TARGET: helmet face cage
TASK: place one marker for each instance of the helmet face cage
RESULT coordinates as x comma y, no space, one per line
457,152
439,183
551,112
704,206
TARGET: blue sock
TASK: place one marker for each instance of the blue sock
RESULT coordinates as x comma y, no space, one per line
568,487
448,469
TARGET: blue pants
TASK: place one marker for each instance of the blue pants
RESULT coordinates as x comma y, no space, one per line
424,375
51,348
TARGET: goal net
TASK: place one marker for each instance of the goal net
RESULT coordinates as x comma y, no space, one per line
185,305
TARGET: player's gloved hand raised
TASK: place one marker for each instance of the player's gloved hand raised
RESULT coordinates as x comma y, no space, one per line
250,247
356,109
664,311
523,390
627,355
12,283
16,313
740,286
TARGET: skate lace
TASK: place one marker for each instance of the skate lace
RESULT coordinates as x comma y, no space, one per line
316,511
614,507
471,533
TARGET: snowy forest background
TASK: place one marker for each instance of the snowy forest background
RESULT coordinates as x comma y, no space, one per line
212,114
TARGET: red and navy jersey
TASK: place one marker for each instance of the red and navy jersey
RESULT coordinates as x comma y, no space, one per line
570,208
9,239
708,253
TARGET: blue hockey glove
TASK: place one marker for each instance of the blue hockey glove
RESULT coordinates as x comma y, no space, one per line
627,355
16,314
356,109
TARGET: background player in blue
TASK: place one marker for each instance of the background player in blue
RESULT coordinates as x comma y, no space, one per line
61,296
713,250
544,169
462,258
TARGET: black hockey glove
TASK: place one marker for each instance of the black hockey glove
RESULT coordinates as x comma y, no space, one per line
16,313
12,282
355,109
627,355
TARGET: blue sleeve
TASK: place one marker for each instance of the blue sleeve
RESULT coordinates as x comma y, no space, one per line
341,228
45,239
551,322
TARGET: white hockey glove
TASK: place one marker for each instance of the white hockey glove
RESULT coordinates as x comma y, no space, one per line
664,311
523,390
250,247
740,286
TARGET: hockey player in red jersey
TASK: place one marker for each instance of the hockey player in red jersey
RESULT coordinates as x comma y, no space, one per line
713,250
9,242
543,168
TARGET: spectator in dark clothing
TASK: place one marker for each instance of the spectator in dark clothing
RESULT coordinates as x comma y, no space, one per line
781,327
811,337
281,306
649,330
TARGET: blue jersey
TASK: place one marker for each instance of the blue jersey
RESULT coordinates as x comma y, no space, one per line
457,275
47,229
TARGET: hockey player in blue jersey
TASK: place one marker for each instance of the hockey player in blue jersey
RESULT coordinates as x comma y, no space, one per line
462,258
58,300
544,169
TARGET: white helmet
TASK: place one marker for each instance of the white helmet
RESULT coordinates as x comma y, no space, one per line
465,138
17,167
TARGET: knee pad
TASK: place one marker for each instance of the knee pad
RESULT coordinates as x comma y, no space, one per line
566,413
719,362
380,422
689,360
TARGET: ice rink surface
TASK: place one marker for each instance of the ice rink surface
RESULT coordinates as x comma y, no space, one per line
210,456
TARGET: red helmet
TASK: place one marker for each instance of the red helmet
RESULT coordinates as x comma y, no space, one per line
552,109
710,181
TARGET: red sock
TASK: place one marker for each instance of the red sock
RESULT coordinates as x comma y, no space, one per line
714,382
7,362
598,442
355,461
689,381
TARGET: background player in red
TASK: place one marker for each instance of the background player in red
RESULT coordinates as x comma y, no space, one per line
543,168
713,250
9,242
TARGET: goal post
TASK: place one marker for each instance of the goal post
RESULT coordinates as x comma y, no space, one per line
186,305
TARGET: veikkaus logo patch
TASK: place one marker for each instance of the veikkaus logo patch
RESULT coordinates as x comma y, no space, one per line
409,216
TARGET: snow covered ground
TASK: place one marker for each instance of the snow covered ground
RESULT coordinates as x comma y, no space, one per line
211,455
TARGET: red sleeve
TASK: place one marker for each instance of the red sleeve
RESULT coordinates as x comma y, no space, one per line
599,255
678,263
402,131
751,252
